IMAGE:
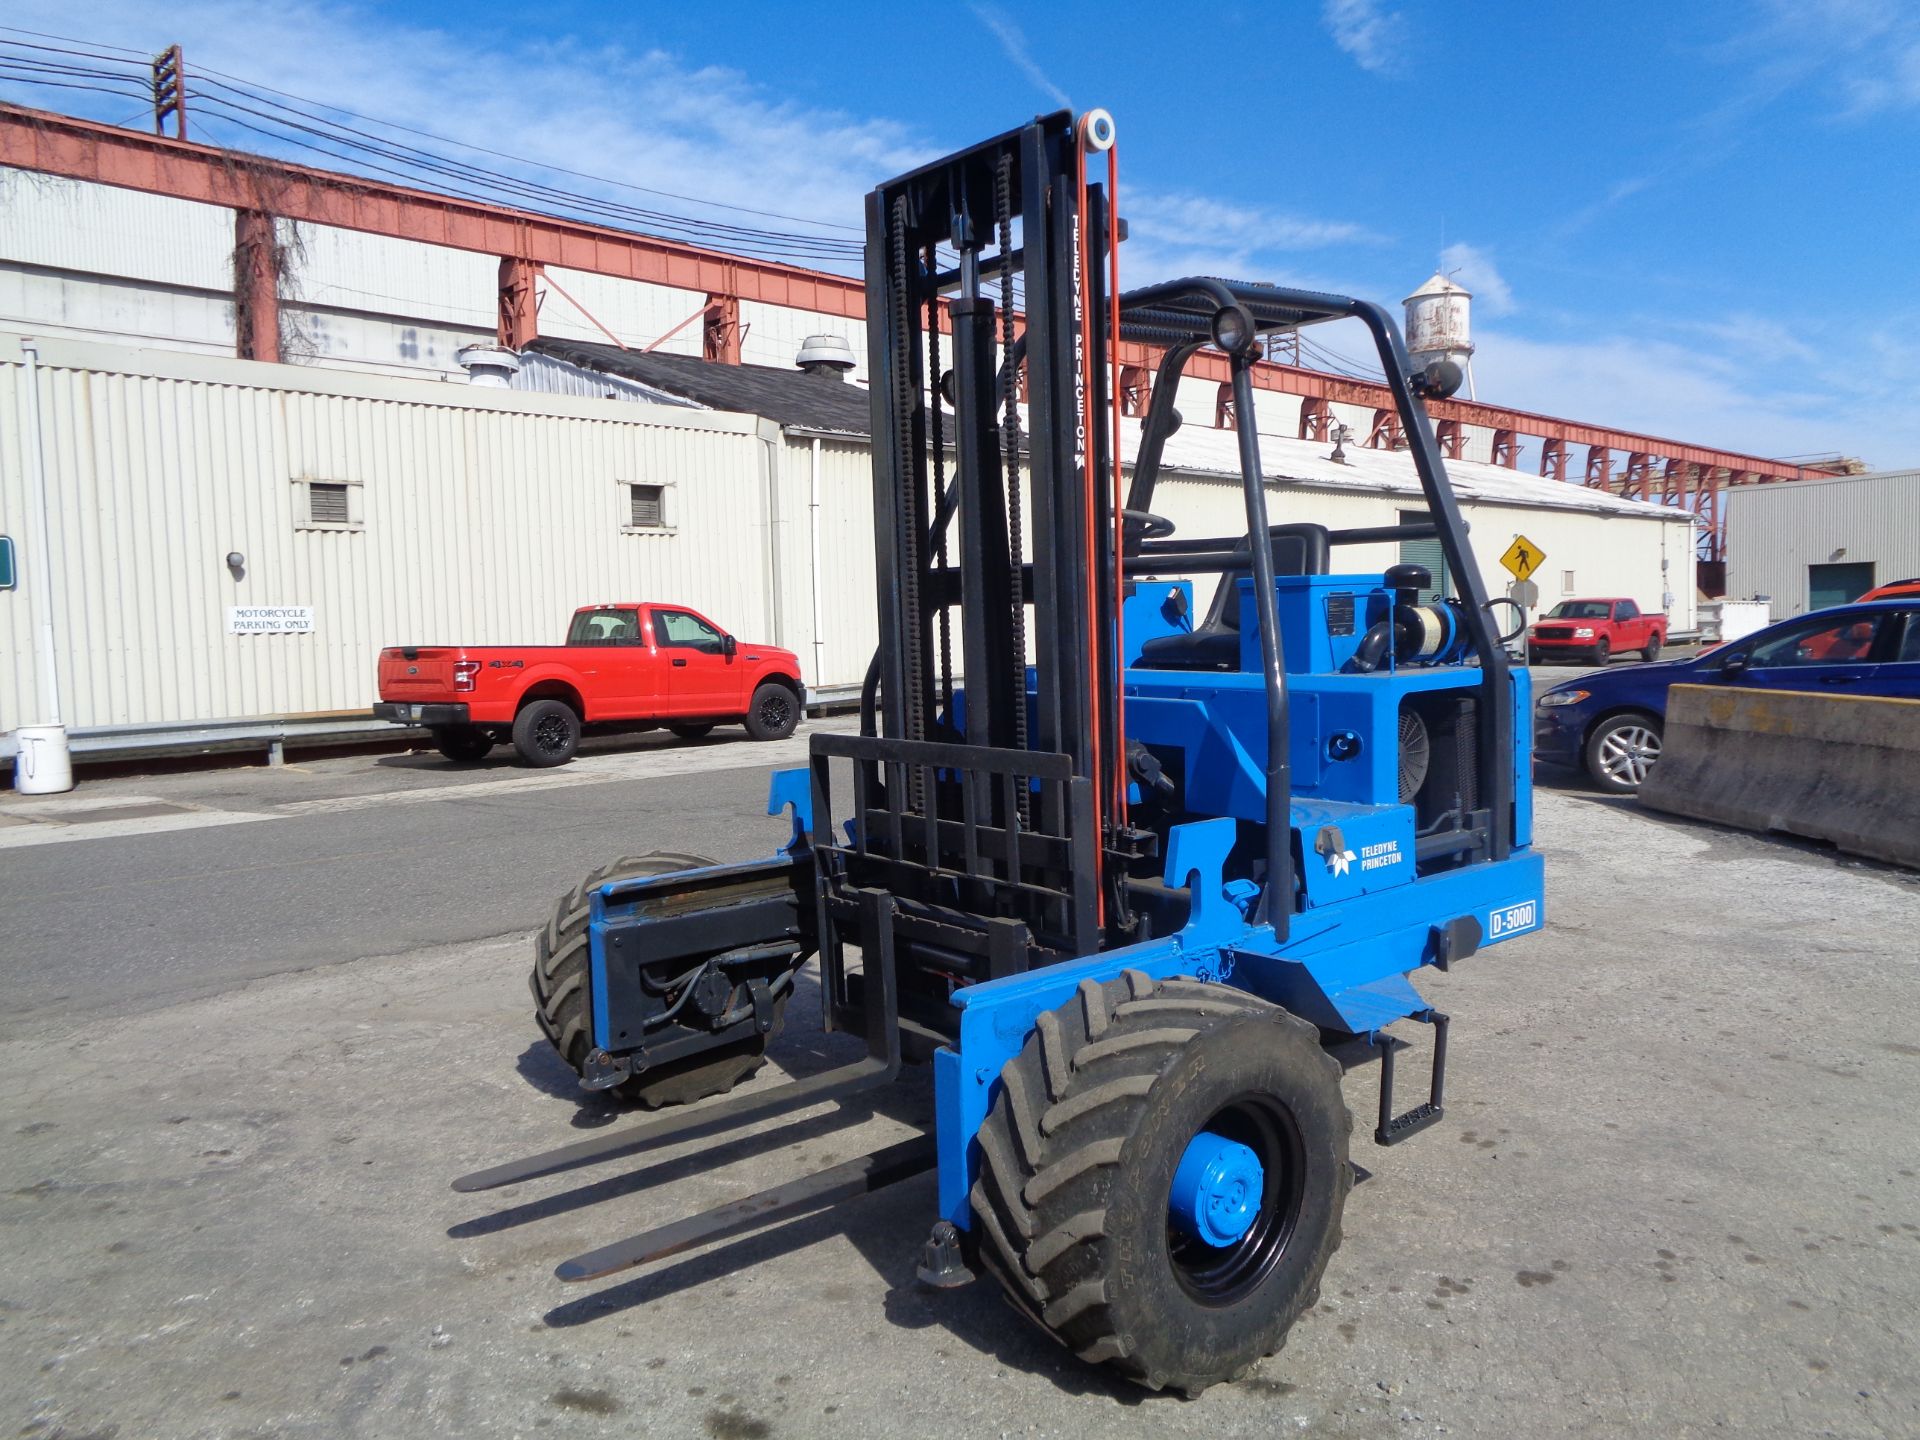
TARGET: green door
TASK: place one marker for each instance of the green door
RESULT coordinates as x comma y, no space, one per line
1427,553
1838,584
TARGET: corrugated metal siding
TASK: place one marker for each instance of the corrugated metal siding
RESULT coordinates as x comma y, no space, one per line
487,518
850,621
71,225
1774,532
774,335
545,375
636,312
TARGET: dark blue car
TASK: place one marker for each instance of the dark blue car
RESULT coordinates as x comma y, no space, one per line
1609,723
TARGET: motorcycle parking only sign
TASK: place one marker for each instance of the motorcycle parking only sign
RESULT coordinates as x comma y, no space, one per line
270,619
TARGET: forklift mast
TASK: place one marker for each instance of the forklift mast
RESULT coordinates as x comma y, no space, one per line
1021,522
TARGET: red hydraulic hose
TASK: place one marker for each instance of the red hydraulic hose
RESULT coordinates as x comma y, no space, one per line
1119,499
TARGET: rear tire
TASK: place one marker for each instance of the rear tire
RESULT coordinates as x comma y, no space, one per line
1078,1154
773,712
563,1003
1652,652
546,732
462,744
692,732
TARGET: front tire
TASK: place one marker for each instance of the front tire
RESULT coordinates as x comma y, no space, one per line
563,997
1622,750
773,712
546,732
1079,1153
462,744
1603,652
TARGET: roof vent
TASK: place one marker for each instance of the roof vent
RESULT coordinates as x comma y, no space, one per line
493,366
825,355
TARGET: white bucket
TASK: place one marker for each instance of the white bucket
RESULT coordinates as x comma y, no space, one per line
43,765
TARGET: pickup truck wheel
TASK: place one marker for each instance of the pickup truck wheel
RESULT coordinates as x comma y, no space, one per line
1621,750
1603,652
773,712
691,732
1652,652
462,744
563,997
546,732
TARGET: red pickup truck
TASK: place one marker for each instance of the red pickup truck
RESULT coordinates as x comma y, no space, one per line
628,666
1596,630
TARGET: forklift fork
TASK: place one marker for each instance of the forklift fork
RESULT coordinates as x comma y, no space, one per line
880,1066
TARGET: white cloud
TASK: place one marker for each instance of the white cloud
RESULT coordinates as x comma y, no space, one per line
1372,35
1474,268
1736,384
1865,50
1176,233
1014,42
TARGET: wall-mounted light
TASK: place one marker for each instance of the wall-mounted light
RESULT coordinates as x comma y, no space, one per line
237,564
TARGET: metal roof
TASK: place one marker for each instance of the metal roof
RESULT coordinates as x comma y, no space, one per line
787,397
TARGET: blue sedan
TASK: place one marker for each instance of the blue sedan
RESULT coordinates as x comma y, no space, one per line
1609,723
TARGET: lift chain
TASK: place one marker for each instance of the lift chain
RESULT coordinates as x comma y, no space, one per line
904,399
1010,450
938,445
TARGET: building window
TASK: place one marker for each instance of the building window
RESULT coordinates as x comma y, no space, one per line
327,505
647,507
1566,582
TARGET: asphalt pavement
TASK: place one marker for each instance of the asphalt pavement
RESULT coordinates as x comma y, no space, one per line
319,871
1676,1194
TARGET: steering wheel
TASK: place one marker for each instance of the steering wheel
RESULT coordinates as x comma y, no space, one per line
1140,525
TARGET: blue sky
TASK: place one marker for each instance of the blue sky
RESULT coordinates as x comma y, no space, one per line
1695,220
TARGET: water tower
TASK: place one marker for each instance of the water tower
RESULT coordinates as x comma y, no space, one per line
1440,326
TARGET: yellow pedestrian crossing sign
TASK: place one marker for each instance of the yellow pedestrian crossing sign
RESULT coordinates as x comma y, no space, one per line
1523,557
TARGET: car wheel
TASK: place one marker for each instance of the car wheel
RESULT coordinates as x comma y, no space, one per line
546,732
1533,655
1652,652
1603,652
690,732
1621,750
773,712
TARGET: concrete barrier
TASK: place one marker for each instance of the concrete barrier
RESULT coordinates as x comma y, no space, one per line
1839,768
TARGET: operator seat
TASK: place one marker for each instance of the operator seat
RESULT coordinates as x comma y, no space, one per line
1214,644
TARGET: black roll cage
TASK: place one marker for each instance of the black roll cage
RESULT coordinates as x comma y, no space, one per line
1181,316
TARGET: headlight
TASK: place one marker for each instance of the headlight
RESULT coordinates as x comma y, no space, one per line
1564,697
1585,632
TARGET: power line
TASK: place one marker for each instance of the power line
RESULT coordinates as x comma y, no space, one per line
287,125
523,160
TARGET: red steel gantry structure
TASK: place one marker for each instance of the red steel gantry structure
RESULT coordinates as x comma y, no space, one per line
260,189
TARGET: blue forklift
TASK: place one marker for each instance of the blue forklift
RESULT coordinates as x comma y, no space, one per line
1139,881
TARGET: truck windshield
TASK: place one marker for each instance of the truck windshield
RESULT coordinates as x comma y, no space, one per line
605,627
1580,610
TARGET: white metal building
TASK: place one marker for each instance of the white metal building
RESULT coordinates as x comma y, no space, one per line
400,510
1822,542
